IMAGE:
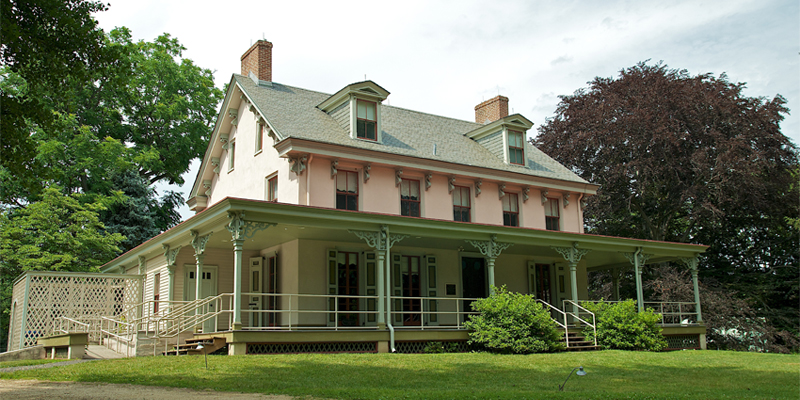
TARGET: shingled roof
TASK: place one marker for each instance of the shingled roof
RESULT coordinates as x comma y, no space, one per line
293,113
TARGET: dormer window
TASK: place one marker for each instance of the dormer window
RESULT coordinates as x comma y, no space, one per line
367,122
516,148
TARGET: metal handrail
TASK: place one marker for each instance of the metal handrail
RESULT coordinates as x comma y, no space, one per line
593,325
565,325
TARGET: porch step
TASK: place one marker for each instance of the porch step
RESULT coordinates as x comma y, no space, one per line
210,345
578,342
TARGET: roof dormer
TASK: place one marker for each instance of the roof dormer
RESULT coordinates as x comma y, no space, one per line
505,138
357,108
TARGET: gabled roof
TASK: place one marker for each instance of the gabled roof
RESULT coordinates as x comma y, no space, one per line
293,113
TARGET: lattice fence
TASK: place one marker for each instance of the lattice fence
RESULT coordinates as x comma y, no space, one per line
675,342
412,347
41,298
329,347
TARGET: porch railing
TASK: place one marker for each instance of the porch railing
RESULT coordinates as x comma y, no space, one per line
582,316
673,313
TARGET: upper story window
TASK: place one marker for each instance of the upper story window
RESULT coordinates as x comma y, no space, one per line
366,120
347,190
409,198
259,137
272,189
231,155
551,215
510,210
461,204
516,148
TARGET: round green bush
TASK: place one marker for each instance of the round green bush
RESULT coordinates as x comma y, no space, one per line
511,322
620,326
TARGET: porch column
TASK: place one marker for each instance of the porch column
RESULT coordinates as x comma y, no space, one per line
171,255
240,231
389,241
638,259
693,263
573,255
379,242
490,249
615,283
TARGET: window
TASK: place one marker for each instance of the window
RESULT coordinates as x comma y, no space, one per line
259,138
347,190
366,122
510,210
551,215
516,148
231,154
409,198
461,204
272,189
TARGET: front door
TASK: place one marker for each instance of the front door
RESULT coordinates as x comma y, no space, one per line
209,288
542,284
409,275
473,280
347,285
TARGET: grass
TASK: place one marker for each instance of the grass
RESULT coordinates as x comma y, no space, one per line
23,363
611,375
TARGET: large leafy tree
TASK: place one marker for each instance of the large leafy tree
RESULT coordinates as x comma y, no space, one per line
690,159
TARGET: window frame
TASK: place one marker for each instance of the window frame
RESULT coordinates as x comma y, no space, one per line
366,120
259,138
509,213
460,209
347,195
418,202
231,155
549,218
272,191
513,149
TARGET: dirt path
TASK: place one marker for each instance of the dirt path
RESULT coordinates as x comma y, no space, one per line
24,390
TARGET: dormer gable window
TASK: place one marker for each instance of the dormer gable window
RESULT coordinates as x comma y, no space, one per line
366,120
357,109
516,147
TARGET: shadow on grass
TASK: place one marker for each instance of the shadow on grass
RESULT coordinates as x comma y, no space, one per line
449,376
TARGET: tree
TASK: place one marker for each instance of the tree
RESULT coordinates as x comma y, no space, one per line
690,159
58,233
45,43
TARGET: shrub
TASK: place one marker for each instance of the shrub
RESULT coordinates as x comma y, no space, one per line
620,326
512,323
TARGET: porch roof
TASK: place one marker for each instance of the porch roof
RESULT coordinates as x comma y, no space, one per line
315,223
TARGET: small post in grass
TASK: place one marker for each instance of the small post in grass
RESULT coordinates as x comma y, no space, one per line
205,355
580,372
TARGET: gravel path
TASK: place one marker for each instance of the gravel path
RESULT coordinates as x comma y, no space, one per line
28,390
38,366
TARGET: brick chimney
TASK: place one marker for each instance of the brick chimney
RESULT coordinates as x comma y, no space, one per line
258,59
491,110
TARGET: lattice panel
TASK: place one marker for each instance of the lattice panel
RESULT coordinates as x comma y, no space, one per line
456,346
15,327
331,347
83,297
683,341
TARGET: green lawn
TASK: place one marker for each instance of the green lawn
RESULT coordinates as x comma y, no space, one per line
22,363
611,375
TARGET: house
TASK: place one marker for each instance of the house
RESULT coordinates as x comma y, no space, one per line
336,222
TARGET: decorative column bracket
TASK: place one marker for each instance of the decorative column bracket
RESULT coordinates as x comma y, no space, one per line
451,184
428,178
572,254
526,193
566,200
490,248
375,240
298,164
170,255
334,166
366,172
199,242
142,265
544,196
501,190
215,163
478,185
642,257
398,176
241,229
234,114
224,140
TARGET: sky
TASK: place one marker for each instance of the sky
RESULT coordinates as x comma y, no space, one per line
445,57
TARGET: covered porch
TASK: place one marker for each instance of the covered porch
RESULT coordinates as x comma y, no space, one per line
272,274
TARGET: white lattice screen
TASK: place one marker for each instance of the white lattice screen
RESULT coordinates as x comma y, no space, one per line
40,298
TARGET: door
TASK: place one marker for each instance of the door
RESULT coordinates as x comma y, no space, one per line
209,288
347,284
473,280
256,286
541,284
410,278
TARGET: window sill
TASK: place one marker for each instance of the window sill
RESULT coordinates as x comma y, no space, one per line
230,170
258,152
